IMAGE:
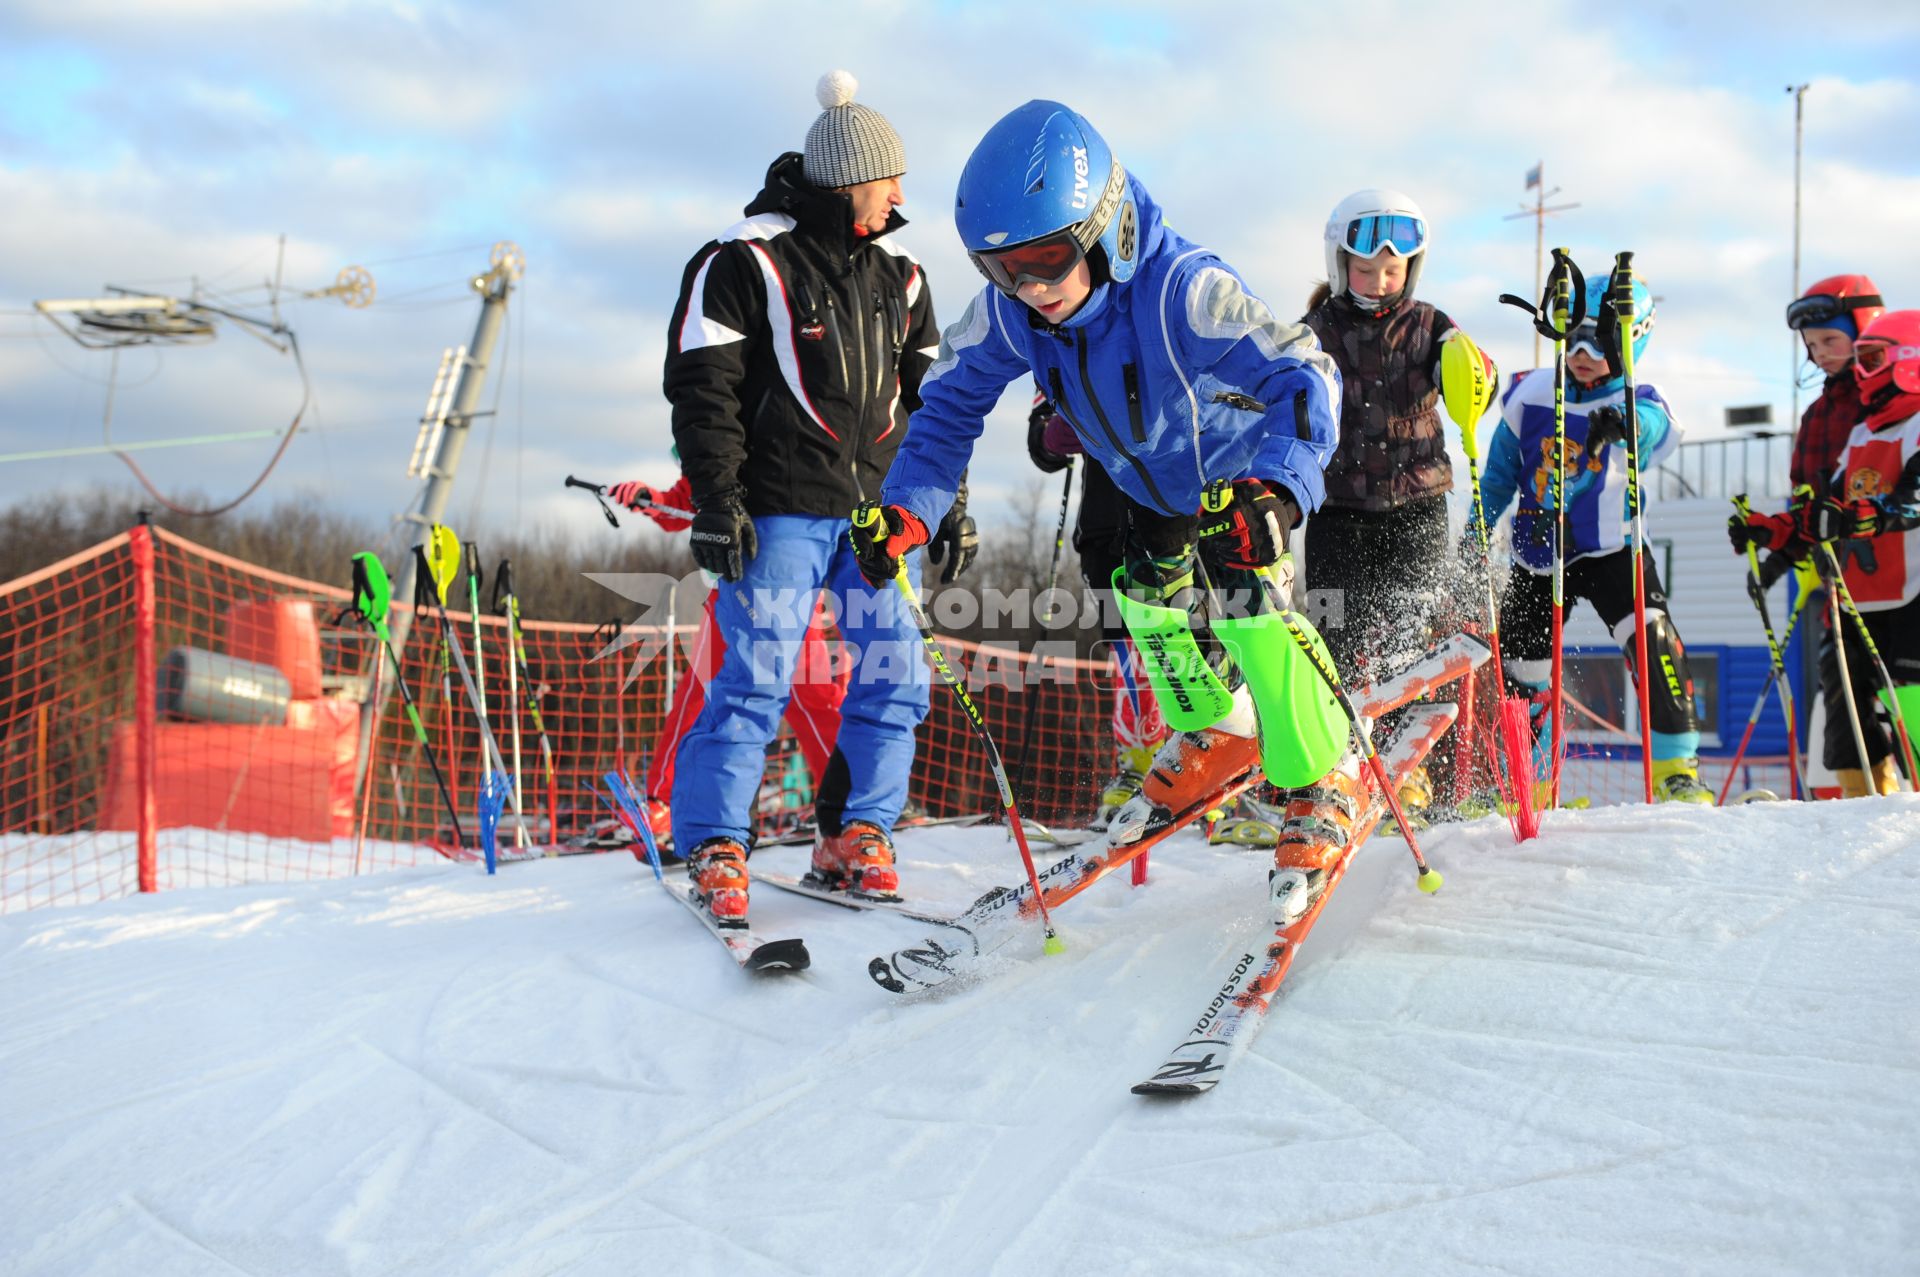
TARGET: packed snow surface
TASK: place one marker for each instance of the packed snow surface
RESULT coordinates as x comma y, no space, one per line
1653,1040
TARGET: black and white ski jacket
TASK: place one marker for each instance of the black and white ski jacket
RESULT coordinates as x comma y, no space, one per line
795,353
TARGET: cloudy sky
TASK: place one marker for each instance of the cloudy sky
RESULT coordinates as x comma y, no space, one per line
156,145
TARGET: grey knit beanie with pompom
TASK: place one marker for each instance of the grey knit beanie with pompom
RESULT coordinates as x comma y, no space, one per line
850,143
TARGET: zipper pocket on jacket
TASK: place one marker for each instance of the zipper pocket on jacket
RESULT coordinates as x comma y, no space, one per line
1234,399
1113,440
839,345
1136,412
879,347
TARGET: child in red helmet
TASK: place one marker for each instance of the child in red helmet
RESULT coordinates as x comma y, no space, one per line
1868,510
1829,316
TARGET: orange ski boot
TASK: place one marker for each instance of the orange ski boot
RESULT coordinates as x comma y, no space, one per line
718,868
858,858
1318,826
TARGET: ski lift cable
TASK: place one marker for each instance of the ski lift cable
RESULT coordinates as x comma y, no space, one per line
286,440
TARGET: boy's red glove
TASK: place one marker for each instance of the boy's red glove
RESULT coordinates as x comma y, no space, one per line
1251,531
1767,531
880,543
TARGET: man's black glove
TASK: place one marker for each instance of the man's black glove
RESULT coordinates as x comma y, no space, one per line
723,538
1049,461
1248,528
955,542
1605,424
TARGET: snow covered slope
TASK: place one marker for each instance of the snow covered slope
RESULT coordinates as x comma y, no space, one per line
1651,1041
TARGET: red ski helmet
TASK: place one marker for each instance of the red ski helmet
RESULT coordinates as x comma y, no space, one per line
1888,354
1846,302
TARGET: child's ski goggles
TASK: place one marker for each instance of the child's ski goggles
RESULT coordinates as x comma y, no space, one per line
1821,309
1586,337
1368,236
1047,260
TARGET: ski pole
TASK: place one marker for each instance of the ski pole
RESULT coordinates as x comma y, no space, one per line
372,598
480,674
1463,369
433,575
599,490
1620,296
1561,309
1840,658
1757,591
1053,582
1778,674
516,639
1880,666
865,516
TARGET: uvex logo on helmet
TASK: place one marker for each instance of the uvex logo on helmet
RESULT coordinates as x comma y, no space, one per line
1079,177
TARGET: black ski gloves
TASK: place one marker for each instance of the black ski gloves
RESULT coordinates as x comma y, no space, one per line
956,541
882,536
1605,425
1049,461
723,538
1246,525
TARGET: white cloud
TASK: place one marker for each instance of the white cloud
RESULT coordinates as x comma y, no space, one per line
612,142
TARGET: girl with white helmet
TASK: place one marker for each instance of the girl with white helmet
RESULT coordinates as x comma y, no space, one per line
1379,543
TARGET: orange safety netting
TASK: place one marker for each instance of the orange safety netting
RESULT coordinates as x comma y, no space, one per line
239,692
173,717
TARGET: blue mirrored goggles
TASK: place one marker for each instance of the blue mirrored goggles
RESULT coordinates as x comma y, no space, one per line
1367,236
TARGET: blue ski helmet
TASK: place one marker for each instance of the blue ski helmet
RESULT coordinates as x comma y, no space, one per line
1588,334
1042,169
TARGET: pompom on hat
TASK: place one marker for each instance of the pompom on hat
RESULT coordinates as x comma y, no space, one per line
849,143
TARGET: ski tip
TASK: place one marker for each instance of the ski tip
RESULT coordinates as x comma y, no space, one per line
1430,880
1171,1088
780,955
882,972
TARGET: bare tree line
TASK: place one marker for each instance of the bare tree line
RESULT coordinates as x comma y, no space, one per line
302,536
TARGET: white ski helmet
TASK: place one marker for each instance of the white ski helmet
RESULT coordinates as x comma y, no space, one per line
1368,223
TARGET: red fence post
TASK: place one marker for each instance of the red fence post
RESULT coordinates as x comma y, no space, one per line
146,703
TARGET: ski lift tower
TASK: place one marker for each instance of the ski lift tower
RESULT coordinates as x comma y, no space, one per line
452,406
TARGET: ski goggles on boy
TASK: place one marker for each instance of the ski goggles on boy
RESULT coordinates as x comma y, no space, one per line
1821,309
1368,236
1586,336
1047,260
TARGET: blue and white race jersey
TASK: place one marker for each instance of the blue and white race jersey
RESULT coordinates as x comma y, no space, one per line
1520,460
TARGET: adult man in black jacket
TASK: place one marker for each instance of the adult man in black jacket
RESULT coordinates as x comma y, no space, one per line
793,360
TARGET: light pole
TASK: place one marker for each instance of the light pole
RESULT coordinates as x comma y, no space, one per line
1799,92
1538,211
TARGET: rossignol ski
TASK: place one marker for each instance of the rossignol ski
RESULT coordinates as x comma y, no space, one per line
1234,1014
979,932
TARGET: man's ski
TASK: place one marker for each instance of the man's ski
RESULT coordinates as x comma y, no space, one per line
805,885
807,833
752,952
1234,1014
943,958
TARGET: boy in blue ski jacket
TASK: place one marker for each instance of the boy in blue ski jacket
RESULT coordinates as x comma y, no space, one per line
1178,382
1599,567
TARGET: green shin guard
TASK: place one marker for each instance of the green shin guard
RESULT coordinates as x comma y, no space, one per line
1303,730
1191,695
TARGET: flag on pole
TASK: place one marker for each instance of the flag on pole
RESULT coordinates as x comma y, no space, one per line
1533,175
